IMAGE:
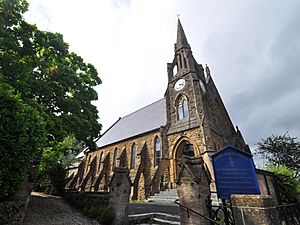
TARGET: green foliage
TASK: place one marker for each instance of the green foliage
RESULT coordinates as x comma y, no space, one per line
8,211
50,92
94,206
22,135
104,216
56,82
281,150
54,161
52,181
288,185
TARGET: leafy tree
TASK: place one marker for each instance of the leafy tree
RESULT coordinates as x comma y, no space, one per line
288,186
55,81
47,90
281,150
54,161
22,135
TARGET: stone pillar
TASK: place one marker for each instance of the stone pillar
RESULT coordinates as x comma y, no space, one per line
119,195
254,209
193,191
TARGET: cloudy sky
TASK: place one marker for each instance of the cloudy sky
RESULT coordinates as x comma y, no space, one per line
251,46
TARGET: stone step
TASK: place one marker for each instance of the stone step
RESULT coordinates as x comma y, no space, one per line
165,196
161,218
170,195
169,191
162,221
162,200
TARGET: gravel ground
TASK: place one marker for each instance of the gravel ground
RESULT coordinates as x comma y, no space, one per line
46,209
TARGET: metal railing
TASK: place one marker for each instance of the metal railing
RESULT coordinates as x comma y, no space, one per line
289,214
222,213
197,213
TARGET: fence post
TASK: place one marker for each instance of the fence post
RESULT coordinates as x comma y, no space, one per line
193,191
120,187
254,209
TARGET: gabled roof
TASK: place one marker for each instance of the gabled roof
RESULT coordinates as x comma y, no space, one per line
148,118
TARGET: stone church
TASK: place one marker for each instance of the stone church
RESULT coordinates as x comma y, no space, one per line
190,119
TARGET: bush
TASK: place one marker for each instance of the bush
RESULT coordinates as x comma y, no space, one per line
53,180
288,184
8,210
22,132
104,216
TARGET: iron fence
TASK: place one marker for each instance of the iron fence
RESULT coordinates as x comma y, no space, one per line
289,214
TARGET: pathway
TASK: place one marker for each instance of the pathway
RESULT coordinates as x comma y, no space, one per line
50,210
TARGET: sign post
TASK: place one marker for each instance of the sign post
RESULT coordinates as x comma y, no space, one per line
234,172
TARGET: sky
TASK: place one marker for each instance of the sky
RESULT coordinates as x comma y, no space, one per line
252,48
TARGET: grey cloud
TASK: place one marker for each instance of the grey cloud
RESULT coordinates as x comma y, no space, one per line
257,70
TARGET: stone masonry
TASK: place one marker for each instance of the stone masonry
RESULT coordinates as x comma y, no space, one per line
119,195
254,209
193,191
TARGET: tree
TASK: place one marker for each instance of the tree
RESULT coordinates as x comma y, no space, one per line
50,90
281,150
54,161
56,82
22,135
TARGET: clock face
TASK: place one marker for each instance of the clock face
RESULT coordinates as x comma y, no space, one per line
179,84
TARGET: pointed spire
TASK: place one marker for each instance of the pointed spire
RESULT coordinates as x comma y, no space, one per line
181,38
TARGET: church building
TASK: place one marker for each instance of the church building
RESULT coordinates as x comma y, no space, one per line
190,119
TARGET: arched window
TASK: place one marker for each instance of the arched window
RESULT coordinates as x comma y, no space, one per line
133,156
88,163
157,152
100,161
182,108
102,156
116,155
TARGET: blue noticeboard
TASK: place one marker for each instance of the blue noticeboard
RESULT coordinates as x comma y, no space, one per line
234,173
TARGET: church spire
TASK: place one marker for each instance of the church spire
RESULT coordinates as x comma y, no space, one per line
181,38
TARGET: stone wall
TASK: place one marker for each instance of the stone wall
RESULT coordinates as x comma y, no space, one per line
12,211
126,146
97,173
254,209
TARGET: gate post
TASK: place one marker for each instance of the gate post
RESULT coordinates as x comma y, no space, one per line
120,187
254,209
193,190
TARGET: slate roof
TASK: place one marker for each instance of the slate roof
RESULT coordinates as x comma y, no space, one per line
146,119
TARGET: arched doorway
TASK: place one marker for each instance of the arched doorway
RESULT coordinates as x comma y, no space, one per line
184,148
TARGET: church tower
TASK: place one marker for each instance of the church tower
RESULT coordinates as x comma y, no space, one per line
197,120
186,84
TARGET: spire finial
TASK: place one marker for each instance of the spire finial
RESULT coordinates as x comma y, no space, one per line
178,15
181,38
